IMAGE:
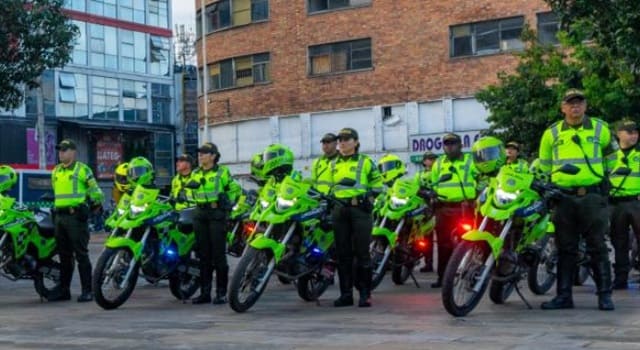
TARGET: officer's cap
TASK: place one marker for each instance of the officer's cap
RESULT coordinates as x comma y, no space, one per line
185,158
348,133
627,125
65,145
452,137
208,148
573,94
328,137
429,155
513,144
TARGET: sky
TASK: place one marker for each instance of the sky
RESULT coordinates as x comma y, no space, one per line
183,12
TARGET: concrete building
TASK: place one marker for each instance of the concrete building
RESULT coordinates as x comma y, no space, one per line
116,98
400,72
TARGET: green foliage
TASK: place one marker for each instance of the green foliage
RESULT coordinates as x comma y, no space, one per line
34,36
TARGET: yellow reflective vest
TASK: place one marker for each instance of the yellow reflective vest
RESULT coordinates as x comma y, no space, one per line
177,187
73,185
462,185
520,166
359,168
214,182
321,174
625,185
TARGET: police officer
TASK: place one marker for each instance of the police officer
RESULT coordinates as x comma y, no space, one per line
321,167
120,182
582,141
513,160
625,199
456,196
181,195
75,190
352,222
424,178
215,197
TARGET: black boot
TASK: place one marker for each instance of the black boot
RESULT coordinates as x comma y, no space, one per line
563,300
204,297
345,276
602,277
222,279
62,294
221,297
364,276
66,271
621,280
85,281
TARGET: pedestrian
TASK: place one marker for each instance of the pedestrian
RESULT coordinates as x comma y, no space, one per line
181,195
582,211
215,197
456,196
624,199
321,167
76,192
352,221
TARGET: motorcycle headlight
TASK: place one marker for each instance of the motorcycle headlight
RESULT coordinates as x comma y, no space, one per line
398,202
120,211
135,210
505,198
284,204
264,204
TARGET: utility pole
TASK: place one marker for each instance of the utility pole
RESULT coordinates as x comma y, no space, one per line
40,131
205,75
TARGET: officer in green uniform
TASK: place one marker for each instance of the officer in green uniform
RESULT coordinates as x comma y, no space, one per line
424,177
215,197
624,198
352,222
181,195
76,193
321,167
513,158
456,196
582,141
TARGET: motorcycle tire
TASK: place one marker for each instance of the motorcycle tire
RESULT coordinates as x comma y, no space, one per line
377,255
46,281
183,285
312,285
465,265
542,274
109,271
499,291
400,274
248,273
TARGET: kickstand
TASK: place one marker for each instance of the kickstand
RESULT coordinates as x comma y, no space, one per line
414,279
522,296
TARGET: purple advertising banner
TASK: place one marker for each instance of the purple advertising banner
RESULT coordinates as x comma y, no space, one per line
32,146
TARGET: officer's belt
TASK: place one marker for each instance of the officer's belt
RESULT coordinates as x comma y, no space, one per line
624,199
352,201
70,210
582,190
210,205
442,204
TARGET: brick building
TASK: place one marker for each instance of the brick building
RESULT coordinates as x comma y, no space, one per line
400,71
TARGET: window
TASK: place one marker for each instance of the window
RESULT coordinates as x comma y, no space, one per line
548,26
104,46
227,13
134,101
78,5
105,8
79,55
324,5
161,103
160,49
163,154
486,37
158,13
340,57
72,94
133,51
105,98
239,71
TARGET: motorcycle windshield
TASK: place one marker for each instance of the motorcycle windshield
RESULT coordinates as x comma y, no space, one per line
6,202
403,188
487,154
511,181
142,195
390,165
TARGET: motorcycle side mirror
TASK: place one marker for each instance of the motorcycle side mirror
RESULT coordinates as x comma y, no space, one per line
568,169
622,171
445,177
347,182
193,184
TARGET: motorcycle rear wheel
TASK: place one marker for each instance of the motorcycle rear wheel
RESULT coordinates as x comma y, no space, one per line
184,285
462,272
48,284
542,274
108,274
376,251
312,285
249,272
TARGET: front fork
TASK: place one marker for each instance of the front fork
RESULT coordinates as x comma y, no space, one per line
272,262
491,258
387,250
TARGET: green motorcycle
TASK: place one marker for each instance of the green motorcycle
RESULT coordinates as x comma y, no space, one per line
295,240
28,247
512,241
240,225
152,238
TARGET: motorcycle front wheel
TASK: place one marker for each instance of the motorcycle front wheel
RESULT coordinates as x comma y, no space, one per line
376,251
463,271
109,285
184,285
312,285
46,280
542,274
244,290
499,291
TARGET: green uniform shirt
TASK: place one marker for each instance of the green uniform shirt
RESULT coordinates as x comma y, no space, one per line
625,185
520,166
74,184
321,174
462,179
424,178
562,144
360,168
178,186
214,182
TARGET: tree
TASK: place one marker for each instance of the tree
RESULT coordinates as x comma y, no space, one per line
34,35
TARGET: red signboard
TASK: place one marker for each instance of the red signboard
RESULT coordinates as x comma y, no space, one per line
109,154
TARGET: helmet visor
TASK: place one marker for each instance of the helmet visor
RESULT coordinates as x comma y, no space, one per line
268,155
136,172
390,165
487,154
121,179
5,178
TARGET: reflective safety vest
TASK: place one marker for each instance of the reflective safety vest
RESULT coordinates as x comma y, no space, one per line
213,183
72,185
321,174
462,185
520,166
177,187
625,185
359,168
562,144
424,178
